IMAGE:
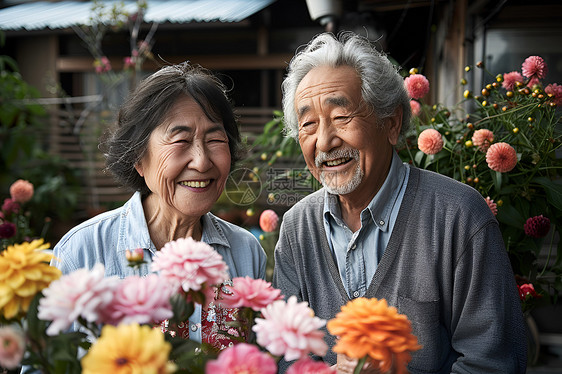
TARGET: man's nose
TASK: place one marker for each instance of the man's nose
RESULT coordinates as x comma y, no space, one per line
327,137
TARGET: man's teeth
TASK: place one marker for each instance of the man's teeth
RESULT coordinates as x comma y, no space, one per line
197,184
336,161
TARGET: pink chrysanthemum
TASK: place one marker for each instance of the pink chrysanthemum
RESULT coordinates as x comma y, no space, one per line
493,206
417,86
12,347
7,230
242,358
534,66
308,366
501,157
190,264
10,206
430,141
290,329
483,138
82,293
510,79
140,300
556,91
269,220
251,293
416,107
21,191
537,227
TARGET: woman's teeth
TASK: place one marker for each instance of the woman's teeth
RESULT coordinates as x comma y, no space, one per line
197,184
337,161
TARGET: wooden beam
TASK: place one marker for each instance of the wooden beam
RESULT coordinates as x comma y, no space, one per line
214,62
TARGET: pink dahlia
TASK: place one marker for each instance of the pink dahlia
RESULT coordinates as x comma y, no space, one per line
510,79
417,86
82,293
527,291
12,347
556,91
10,206
251,293
416,107
190,264
290,329
7,230
242,358
140,299
534,66
501,157
430,141
537,227
493,206
21,191
269,220
308,366
483,138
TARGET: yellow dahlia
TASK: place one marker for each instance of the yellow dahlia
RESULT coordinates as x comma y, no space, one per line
370,327
24,271
129,348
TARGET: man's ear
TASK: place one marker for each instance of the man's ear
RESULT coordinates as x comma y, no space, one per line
393,126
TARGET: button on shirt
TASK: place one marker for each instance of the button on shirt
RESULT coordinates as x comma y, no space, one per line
357,254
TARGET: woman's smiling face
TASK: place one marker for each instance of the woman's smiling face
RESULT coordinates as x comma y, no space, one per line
187,161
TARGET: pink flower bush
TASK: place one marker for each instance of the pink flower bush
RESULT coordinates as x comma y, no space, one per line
141,300
82,293
493,206
417,86
527,291
269,220
483,138
21,191
242,358
430,141
189,264
534,66
251,293
290,329
308,366
12,347
10,206
501,157
537,227
415,106
556,91
510,79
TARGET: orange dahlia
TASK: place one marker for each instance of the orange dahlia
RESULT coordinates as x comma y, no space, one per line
24,271
370,327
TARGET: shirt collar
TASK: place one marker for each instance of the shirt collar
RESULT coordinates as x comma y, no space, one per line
380,207
135,234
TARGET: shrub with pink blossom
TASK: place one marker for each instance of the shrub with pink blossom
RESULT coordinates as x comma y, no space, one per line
242,358
417,86
12,347
430,141
308,366
251,293
504,141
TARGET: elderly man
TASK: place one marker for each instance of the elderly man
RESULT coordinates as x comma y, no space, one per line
382,229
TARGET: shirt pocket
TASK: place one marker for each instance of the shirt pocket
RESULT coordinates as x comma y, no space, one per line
424,317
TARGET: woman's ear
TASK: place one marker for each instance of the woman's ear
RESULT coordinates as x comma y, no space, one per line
393,126
138,168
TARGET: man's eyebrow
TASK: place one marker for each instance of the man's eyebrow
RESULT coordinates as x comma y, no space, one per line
338,101
303,110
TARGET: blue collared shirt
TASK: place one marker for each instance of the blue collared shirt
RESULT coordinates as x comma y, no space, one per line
357,254
106,237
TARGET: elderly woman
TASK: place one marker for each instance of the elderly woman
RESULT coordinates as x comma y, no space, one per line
175,143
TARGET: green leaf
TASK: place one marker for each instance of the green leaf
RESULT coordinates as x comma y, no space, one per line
553,191
510,216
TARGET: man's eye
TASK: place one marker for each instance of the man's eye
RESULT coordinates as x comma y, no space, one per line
342,119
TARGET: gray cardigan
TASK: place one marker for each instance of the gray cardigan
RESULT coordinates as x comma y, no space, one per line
445,267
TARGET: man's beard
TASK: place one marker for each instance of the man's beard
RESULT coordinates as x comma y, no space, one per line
329,179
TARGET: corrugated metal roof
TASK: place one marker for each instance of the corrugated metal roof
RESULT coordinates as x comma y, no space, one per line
62,14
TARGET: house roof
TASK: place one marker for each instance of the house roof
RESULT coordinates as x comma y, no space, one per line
40,15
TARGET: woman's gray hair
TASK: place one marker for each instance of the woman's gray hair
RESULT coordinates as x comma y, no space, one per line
382,87
148,106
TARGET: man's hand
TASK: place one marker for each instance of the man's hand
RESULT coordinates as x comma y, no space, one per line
346,365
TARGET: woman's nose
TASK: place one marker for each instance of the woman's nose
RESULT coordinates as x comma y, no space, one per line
200,158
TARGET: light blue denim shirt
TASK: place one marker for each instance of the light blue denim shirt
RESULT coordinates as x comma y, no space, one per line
105,238
358,253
